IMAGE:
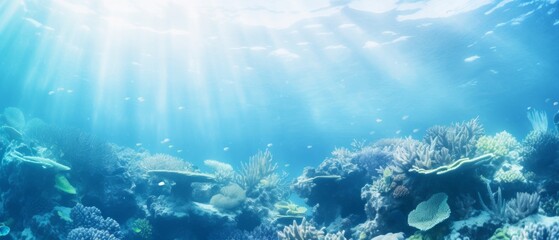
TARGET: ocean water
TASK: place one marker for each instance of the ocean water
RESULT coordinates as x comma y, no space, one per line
103,102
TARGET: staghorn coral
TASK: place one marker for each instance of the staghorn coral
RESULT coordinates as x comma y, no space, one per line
497,206
405,155
335,236
459,138
303,231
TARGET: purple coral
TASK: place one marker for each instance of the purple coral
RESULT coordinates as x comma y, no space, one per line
82,233
90,217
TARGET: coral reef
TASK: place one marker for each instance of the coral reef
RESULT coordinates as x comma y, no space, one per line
366,191
539,231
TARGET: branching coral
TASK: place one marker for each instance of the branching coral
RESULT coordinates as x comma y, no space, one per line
406,154
165,162
522,206
459,139
509,173
371,158
497,206
89,222
290,208
539,231
223,171
303,231
501,144
258,168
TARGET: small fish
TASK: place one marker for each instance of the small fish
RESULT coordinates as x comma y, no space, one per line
179,150
415,130
398,131
126,98
51,92
528,108
70,91
378,120
372,133
555,103
180,108
286,165
138,144
60,89
161,184
405,117
141,99
225,149
166,140
171,146
309,146
547,100
269,145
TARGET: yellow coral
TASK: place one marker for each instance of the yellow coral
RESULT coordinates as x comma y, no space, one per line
502,144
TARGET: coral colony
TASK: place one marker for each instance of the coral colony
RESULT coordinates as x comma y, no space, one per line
457,182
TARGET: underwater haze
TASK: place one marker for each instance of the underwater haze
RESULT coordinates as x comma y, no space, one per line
246,119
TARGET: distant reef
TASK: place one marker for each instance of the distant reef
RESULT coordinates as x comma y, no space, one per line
457,182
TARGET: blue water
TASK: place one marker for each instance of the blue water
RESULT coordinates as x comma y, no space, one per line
223,81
